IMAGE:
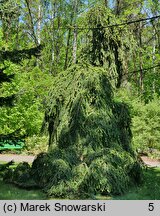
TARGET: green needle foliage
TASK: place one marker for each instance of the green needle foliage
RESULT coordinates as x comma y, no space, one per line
89,144
81,111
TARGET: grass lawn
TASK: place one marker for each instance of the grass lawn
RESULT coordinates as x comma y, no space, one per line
150,190
11,192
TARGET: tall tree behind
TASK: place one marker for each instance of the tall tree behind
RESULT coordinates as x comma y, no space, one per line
10,70
75,11
54,32
76,8
155,8
9,15
39,17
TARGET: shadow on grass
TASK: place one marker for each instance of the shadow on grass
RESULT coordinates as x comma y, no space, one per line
11,192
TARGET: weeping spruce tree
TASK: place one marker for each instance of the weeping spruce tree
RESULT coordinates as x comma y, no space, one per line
90,148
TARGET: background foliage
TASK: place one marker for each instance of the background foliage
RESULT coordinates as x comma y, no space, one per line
145,123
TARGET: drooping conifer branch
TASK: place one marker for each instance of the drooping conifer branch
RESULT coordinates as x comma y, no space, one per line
4,77
7,101
16,56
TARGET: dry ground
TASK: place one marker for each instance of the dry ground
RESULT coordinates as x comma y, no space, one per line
28,158
16,158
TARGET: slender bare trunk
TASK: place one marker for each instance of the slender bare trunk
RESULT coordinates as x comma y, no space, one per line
53,37
118,7
75,9
39,23
106,3
154,58
140,59
31,22
67,50
75,45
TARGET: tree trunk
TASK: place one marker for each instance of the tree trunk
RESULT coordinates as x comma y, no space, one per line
118,63
106,3
118,7
39,23
140,59
75,9
31,22
67,50
154,58
53,37
75,45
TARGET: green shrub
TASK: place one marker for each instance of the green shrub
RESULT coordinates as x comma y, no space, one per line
46,171
107,172
21,173
104,178
146,126
145,122
18,175
89,131
36,144
30,88
90,147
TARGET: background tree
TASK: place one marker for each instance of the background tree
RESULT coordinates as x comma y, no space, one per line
17,95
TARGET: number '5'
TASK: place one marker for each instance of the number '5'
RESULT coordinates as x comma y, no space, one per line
151,207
